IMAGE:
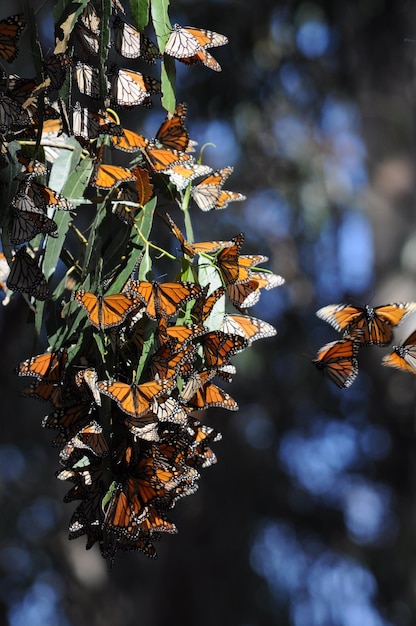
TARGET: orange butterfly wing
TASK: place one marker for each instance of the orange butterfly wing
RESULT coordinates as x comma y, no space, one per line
338,360
403,357
10,31
48,367
106,311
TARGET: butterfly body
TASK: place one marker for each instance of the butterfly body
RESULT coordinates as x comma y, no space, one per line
376,323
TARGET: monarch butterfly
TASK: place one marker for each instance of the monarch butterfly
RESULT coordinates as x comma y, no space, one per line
202,57
26,225
55,68
109,176
187,41
23,202
88,80
90,19
87,125
181,174
179,334
403,357
169,410
69,420
10,31
210,395
46,392
106,311
130,88
191,249
166,362
12,115
162,159
172,132
89,41
218,347
48,367
157,521
26,276
129,141
376,322
43,197
247,294
248,327
199,452
129,201
204,306
338,360
143,184
227,260
31,168
89,376
163,299
132,44
208,193
91,438
135,400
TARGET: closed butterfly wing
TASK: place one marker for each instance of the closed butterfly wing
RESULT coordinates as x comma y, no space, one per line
88,80
248,327
129,88
132,44
185,41
338,361
26,225
26,276
403,357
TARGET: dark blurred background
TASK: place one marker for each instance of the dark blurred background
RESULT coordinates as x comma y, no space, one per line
309,517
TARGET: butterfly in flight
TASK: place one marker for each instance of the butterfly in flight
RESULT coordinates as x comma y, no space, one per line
338,361
403,357
376,323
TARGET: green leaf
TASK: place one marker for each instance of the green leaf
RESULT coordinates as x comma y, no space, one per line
161,22
139,10
210,275
168,77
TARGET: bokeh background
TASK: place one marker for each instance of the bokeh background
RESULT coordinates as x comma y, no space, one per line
309,517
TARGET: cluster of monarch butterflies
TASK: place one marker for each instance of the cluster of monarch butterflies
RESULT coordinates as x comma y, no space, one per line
364,326
129,372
